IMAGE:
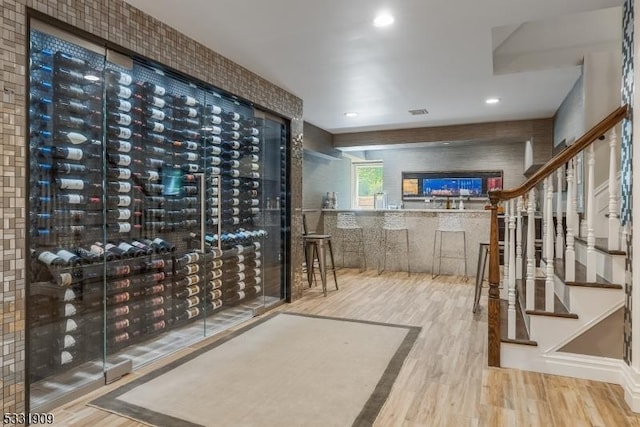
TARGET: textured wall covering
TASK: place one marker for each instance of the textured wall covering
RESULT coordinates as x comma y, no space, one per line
505,156
626,172
122,25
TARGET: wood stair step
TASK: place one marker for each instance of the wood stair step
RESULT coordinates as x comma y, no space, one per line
602,245
559,309
581,277
522,336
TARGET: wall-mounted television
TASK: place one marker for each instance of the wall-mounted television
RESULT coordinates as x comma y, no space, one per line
471,184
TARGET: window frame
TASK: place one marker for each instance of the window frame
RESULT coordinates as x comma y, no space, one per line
354,179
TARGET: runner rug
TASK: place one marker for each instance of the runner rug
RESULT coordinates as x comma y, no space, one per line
286,369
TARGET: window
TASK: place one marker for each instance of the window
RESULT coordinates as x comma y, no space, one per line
367,180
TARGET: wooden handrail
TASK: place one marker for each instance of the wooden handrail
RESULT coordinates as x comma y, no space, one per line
493,305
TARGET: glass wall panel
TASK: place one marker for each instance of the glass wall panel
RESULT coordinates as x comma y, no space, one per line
157,213
66,209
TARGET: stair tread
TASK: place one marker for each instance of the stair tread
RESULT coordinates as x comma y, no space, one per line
581,277
522,336
559,309
602,245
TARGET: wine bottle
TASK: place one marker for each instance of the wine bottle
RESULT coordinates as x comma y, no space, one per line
73,106
75,138
152,89
119,173
69,257
186,133
120,119
212,150
231,154
119,104
230,135
188,258
155,138
251,140
170,247
231,116
185,111
190,167
212,110
188,156
188,281
118,77
230,126
147,249
120,146
76,184
188,101
88,256
185,123
130,250
251,149
70,90
71,76
119,132
50,258
251,131
187,145
63,58
69,153
119,159
212,139
119,186
118,90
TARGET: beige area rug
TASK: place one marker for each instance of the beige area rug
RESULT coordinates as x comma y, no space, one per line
285,370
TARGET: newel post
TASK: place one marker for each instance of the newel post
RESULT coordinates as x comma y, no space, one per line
494,286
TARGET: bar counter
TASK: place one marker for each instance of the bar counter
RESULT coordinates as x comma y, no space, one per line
421,225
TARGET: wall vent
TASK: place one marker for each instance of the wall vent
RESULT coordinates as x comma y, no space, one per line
418,112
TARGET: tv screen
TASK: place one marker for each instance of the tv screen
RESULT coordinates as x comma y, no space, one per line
420,185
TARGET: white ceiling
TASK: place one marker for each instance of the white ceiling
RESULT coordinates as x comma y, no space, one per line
438,55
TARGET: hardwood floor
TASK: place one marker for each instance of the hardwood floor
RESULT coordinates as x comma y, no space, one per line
444,381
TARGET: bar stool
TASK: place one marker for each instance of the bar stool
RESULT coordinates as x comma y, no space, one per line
314,249
393,222
351,235
483,253
448,223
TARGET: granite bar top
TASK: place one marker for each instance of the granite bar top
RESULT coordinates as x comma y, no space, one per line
409,210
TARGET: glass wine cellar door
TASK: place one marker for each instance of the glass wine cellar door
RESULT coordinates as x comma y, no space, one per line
158,214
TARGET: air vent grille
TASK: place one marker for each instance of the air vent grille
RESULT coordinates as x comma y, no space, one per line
418,112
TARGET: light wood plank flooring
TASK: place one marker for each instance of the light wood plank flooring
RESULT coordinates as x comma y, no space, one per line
445,381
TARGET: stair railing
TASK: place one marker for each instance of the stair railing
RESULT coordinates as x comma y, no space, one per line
555,244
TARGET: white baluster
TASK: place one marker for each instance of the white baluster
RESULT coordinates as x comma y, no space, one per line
543,197
511,313
548,242
570,254
578,199
591,213
505,259
559,227
531,251
518,213
614,221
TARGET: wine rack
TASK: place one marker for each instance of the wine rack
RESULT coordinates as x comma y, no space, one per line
147,205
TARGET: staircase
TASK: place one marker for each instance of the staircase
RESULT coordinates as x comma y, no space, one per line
539,306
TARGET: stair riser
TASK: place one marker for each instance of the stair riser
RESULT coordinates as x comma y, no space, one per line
610,267
560,288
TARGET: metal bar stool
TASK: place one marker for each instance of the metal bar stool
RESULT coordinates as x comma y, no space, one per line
483,253
315,249
351,235
393,222
448,223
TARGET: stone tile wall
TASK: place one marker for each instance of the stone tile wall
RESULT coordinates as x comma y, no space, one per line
121,25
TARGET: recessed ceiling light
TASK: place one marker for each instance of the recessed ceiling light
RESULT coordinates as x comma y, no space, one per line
445,143
492,100
351,114
383,19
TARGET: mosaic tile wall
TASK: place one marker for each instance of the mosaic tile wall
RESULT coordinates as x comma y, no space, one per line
123,25
626,171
